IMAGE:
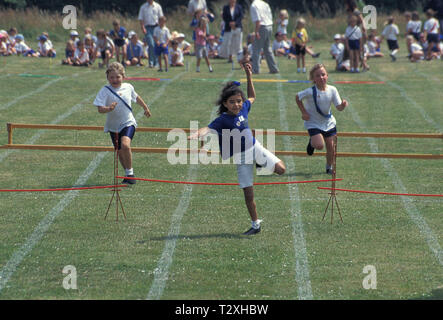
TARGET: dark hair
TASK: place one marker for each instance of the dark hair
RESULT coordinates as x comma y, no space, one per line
231,88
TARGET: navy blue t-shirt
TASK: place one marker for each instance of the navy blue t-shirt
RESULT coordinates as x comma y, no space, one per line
243,135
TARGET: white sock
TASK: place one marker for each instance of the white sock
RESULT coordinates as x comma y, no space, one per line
129,172
256,223
210,68
198,69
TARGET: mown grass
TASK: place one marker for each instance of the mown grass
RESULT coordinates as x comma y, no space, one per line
211,260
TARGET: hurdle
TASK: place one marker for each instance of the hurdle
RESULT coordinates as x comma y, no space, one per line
12,126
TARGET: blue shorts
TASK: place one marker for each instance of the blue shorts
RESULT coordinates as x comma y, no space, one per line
127,132
354,44
433,37
325,134
160,50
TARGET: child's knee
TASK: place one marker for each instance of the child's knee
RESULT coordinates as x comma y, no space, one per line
280,168
319,145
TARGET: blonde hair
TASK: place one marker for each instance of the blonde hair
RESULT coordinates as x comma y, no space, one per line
202,20
117,67
284,13
300,21
315,68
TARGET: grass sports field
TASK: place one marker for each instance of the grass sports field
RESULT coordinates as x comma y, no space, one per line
184,241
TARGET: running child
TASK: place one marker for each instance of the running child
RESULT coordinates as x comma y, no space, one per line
390,32
115,100
315,106
233,111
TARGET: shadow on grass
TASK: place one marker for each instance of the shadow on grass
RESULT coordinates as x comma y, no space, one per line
198,236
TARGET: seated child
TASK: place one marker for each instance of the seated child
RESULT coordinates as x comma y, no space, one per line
74,37
373,47
184,45
81,56
337,47
22,48
90,47
134,50
105,48
11,40
280,47
212,47
416,50
176,55
3,45
69,53
45,48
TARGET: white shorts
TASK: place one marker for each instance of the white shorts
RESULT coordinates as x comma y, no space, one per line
257,154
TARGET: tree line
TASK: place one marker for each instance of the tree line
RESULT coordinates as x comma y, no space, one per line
315,7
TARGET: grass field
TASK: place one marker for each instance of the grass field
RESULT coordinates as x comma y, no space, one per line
184,241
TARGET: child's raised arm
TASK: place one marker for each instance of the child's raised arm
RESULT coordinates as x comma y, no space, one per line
251,89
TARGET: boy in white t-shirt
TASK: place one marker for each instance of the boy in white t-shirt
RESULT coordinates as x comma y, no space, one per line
390,32
315,106
161,38
115,100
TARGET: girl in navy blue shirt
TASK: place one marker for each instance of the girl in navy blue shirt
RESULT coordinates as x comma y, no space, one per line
233,130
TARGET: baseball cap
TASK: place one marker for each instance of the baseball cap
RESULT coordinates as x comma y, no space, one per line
43,37
20,37
131,34
337,36
74,33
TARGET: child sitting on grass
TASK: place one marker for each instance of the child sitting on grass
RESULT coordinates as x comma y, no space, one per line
69,53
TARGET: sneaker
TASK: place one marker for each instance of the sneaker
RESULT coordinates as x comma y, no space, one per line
160,70
304,70
393,57
310,149
129,181
210,69
252,231
316,55
298,70
329,171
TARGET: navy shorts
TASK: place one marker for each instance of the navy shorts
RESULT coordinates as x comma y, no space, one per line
127,132
325,134
300,50
433,37
159,50
392,44
354,44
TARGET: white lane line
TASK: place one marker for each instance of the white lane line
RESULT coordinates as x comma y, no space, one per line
18,255
38,90
301,258
409,205
412,102
161,272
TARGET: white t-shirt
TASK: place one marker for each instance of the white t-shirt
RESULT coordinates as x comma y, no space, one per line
45,47
324,100
280,45
337,48
121,117
432,26
162,34
372,46
413,26
353,33
180,55
82,56
390,32
416,47
282,26
21,47
260,11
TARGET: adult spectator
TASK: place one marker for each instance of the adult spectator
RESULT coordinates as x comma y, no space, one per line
148,17
261,16
233,34
352,9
